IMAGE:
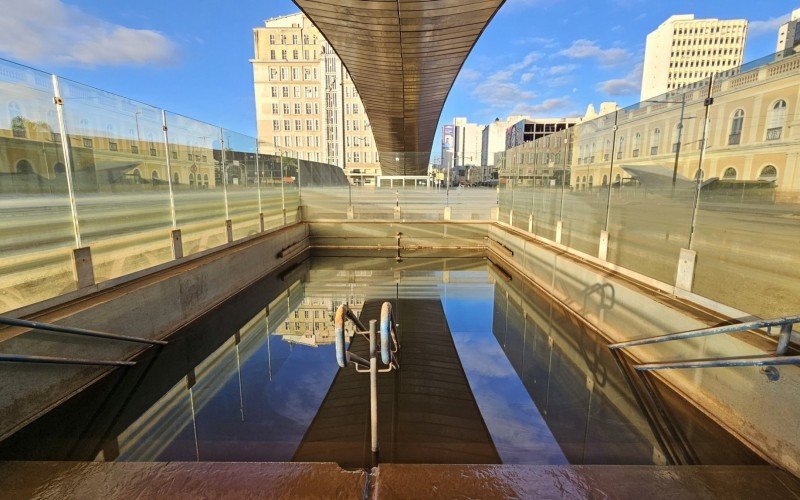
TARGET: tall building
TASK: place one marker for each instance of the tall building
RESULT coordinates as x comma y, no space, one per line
684,50
468,143
494,139
530,129
303,94
789,34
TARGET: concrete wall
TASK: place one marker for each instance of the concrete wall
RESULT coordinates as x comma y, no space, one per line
147,307
742,399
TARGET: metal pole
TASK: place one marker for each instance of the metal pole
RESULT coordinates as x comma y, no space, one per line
67,160
678,144
169,169
720,363
699,181
258,181
783,339
564,173
20,358
373,389
611,169
222,170
4,320
283,194
704,332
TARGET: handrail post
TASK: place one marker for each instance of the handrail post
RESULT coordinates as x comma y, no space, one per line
373,389
783,339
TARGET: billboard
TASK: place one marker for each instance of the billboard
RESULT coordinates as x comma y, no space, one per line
448,137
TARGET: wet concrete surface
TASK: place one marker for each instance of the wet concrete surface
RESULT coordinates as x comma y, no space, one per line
177,480
582,481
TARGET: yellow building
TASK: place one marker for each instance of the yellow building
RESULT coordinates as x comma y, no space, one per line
300,105
752,134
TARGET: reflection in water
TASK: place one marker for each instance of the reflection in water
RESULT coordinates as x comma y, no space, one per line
548,391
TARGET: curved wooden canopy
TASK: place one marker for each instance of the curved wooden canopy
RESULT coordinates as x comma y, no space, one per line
403,57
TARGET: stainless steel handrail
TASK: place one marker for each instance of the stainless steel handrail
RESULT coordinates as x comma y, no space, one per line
780,357
20,358
5,320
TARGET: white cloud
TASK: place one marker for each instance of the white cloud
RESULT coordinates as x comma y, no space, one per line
50,31
767,26
561,69
584,49
630,84
469,74
499,88
560,106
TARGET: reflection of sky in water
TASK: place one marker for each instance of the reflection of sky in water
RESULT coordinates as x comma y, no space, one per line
518,430
269,421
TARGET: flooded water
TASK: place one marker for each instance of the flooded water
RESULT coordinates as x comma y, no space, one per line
257,380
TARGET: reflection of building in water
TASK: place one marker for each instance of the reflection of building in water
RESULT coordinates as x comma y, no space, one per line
312,322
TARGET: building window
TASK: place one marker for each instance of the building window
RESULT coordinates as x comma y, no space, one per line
285,108
737,122
276,124
275,109
272,39
776,117
297,108
274,91
87,143
768,173
112,146
134,149
174,155
637,141
285,91
730,173
620,147
655,140
176,178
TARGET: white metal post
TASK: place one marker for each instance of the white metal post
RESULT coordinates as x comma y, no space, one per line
59,103
169,169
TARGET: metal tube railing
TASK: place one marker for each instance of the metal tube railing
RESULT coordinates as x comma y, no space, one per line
738,327
21,358
721,362
779,358
75,331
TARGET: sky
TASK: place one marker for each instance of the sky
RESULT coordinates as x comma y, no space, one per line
546,58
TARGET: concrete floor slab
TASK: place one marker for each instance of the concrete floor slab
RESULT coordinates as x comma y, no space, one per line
177,480
521,481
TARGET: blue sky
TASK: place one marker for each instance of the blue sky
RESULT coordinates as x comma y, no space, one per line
541,57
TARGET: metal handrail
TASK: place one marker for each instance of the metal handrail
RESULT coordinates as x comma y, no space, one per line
20,358
5,320
388,348
780,357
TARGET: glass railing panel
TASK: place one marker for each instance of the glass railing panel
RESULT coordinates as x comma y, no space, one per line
36,230
652,193
548,179
120,179
292,185
271,185
242,179
505,184
200,209
747,222
584,205
524,173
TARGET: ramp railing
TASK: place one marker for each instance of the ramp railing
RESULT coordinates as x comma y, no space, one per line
779,358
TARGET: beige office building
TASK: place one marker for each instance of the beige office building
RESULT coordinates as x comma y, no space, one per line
298,83
684,50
